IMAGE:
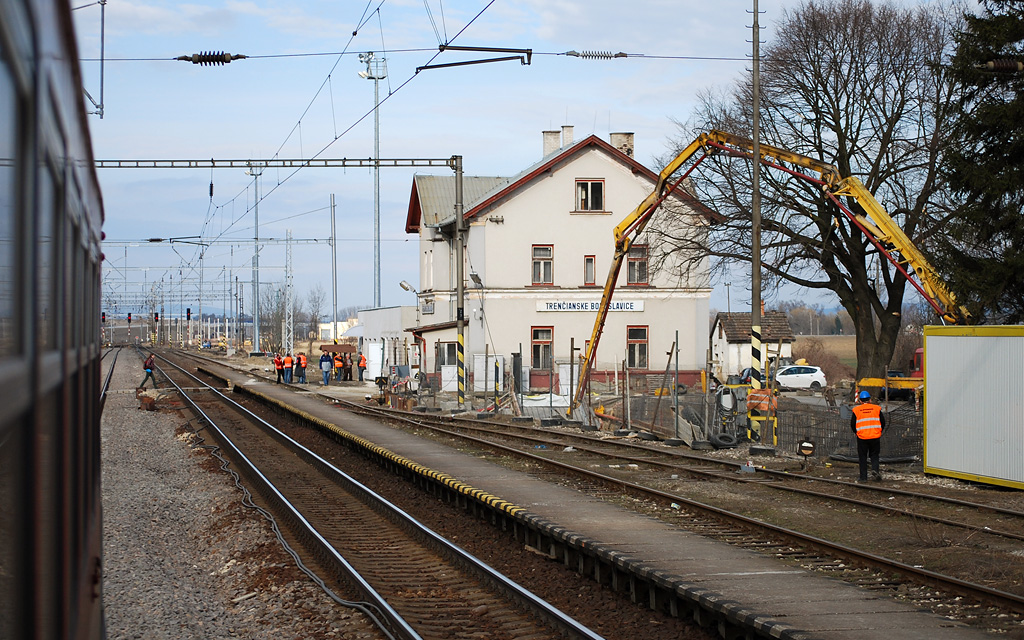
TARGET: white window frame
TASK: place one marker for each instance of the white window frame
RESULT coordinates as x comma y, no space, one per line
542,268
633,262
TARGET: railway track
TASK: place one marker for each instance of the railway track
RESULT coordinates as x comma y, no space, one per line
629,473
110,372
662,483
418,584
645,463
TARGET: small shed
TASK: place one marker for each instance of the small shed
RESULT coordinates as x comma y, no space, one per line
730,340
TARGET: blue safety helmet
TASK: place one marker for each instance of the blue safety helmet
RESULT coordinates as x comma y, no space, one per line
864,395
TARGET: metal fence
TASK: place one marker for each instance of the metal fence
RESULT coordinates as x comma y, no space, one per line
828,428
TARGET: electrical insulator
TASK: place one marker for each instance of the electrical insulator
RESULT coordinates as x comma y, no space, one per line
1004,65
596,55
210,58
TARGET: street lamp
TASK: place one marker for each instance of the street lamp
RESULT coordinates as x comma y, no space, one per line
376,70
408,287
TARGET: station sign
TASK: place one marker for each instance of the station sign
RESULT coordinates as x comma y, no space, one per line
589,306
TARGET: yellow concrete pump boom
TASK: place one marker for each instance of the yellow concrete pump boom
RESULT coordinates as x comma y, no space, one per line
880,229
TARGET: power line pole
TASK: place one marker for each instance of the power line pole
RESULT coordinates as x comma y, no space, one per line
289,298
460,289
767,434
334,278
256,173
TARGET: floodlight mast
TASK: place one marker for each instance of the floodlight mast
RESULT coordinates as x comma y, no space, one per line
376,70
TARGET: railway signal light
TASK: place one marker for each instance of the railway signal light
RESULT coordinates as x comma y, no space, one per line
103,316
156,317
129,318
188,313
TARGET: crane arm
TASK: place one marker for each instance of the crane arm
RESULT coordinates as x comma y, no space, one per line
626,230
884,230
880,228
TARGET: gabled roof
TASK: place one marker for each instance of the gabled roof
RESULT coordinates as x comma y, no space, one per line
421,210
774,326
432,202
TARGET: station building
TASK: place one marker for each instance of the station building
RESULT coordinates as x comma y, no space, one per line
538,248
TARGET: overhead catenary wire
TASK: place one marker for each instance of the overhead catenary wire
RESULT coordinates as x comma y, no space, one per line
367,15
267,192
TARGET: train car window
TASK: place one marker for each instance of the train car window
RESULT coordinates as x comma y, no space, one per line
46,241
8,201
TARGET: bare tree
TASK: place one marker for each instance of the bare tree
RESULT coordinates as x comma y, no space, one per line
315,300
852,84
272,318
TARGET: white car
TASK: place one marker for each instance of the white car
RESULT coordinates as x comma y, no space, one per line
800,376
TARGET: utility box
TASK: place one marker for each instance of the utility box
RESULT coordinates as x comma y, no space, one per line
973,403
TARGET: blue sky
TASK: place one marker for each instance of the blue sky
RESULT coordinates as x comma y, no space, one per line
283,102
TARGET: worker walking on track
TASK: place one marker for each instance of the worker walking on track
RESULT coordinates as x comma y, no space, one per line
148,366
279,367
300,368
868,422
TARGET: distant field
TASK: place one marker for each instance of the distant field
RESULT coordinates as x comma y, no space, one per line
844,347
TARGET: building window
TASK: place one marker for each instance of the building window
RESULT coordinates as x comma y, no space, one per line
636,347
588,270
543,264
541,342
636,269
447,353
590,195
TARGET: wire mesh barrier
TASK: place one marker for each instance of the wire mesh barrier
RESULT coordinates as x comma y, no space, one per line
828,428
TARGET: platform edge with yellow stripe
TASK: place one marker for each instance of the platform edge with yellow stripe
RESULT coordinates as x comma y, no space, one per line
644,584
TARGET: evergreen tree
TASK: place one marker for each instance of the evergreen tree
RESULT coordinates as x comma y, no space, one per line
984,243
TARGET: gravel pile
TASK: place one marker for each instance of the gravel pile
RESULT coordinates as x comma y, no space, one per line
182,557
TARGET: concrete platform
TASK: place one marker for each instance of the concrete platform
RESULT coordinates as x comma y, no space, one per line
769,597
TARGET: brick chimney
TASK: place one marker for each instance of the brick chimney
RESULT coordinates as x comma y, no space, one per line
551,143
623,142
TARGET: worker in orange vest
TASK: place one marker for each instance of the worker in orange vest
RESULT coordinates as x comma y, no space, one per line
362,365
868,422
339,362
288,363
300,368
278,366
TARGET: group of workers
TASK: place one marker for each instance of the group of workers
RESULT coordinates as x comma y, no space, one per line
289,368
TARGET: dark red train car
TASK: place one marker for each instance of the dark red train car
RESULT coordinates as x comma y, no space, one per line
50,231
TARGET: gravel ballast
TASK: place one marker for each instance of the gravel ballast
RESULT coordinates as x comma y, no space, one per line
182,556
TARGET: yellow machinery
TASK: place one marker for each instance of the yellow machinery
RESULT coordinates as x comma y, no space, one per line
875,223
